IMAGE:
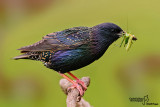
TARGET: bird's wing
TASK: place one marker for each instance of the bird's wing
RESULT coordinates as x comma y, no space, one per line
66,39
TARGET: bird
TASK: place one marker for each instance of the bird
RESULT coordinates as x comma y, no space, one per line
71,49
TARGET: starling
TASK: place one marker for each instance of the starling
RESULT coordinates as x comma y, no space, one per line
73,48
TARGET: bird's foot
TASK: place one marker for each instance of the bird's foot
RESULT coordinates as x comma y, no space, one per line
76,84
82,84
78,81
78,87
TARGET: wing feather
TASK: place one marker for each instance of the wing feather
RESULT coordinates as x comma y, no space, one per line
67,39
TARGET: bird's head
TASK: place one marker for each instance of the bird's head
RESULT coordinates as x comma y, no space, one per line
111,31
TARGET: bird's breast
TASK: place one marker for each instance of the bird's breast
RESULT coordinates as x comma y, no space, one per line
98,45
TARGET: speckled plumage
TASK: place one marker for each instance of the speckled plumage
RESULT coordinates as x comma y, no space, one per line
72,48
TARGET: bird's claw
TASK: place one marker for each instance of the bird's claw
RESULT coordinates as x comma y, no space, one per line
82,84
78,87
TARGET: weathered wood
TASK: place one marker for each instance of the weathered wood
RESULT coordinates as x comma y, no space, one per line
73,97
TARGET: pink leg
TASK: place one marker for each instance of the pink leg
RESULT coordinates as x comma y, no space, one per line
75,85
78,81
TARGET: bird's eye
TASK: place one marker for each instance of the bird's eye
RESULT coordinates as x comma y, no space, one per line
112,30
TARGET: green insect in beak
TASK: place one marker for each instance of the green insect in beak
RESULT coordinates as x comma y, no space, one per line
127,40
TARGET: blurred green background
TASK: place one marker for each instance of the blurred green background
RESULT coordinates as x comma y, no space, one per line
115,77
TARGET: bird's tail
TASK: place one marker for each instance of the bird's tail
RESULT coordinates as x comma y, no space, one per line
31,55
23,56
42,56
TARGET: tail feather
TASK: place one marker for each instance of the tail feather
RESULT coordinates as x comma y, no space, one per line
39,56
28,55
23,56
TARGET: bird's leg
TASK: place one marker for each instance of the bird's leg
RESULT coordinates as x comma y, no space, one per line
75,84
78,81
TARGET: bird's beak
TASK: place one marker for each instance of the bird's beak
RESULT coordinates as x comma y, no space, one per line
121,33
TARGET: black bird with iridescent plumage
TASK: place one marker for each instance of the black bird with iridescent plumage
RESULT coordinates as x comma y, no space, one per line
73,48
